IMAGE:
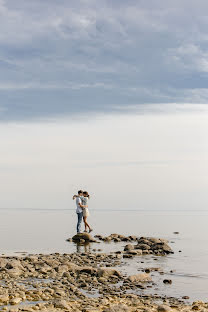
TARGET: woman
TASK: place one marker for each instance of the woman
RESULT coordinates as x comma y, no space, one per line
84,206
86,213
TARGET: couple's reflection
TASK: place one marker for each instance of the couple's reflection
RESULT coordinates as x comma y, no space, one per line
83,247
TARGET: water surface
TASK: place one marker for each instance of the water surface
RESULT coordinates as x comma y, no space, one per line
46,231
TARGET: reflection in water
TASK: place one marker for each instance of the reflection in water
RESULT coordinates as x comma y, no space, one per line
83,247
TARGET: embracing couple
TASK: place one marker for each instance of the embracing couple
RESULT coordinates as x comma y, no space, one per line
82,210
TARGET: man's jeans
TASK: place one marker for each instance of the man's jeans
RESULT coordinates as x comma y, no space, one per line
79,221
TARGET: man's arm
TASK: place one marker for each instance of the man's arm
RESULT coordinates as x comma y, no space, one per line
83,206
74,196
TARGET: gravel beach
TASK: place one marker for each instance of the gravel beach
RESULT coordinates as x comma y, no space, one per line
91,281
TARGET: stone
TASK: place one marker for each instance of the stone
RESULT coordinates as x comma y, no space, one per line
167,281
117,308
128,247
105,272
15,301
163,308
4,299
141,277
85,236
14,273
62,304
142,246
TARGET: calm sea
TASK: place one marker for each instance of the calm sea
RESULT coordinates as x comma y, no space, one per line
46,231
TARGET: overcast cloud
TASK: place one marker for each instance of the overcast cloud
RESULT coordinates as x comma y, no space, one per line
63,57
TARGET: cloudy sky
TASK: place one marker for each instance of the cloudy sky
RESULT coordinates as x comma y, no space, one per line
63,57
110,96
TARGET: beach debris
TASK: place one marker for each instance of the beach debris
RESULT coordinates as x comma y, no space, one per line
175,232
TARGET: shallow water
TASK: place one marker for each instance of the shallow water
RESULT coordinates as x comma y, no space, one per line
46,231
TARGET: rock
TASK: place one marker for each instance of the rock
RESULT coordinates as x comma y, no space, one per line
141,277
117,308
127,256
167,281
88,270
14,264
69,240
133,237
163,308
107,239
128,247
15,301
142,246
3,263
104,272
117,240
14,273
85,236
175,232
62,304
4,299
114,235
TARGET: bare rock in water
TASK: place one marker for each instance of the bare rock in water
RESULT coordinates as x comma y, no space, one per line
80,237
105,272
142,277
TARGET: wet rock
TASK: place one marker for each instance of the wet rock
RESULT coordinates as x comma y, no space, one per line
164,308
82,236
4,299
141,277
62,304
15,273
15,301
117,308
142,247
128,247
167,281
104,272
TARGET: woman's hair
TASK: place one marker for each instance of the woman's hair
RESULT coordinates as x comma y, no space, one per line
86,194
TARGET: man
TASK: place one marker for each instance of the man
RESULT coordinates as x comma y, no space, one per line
79,210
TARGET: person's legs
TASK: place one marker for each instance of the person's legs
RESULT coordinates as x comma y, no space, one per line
86,224
79,221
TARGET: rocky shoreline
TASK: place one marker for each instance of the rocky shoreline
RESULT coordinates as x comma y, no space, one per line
87,282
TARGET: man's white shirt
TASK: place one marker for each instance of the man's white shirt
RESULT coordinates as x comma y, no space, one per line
78,201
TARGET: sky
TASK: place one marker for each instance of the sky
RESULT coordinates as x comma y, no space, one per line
110,96
63,57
